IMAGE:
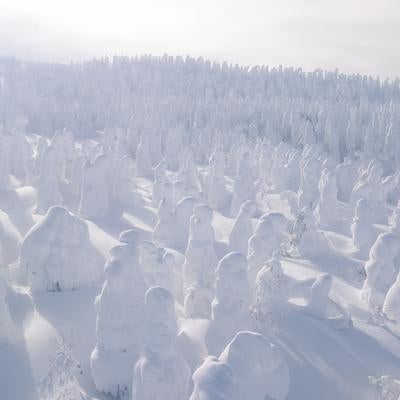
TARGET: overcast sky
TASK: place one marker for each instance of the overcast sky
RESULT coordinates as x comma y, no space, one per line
351,35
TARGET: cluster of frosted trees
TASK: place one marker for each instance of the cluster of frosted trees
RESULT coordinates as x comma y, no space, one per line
191,141
210,101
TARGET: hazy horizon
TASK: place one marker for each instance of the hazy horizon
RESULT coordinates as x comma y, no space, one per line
354,37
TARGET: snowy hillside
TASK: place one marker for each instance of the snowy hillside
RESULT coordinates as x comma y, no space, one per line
176,229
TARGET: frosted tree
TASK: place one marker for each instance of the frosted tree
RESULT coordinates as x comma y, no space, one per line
381,269
321,305
77,172
57,254
306,239
278,167
271,293
95,193
391,306
389,387
41,146
200,262
346,177
260,369
292,171
161,372
173,230
48,193
243,188
327,209
363,232
143,161
268,236
61,381
157,266
9,332
188,172
173,147
370,189
308,190
242,228
120,318
214,380
124,190
217,195
5,145
160,177
165,215
231,305
265,163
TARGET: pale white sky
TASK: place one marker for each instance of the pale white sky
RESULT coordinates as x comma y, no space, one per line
351,35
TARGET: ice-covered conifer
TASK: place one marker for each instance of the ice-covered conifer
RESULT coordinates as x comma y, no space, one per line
124,194
5,139
144,167
265,164
242,228
292,171
327,209
95,193
268,236
260,370
363,232
120,318
188,172
161,372
277,172
217,195
310,242
214,380
391,306
200,258
271,291
160,177
173,230
157,266
370,189
77,172
41,146
21,152
308,190
243,188
320,304
382,267
179,191
173,147
56,254
9,331
48,193
346,176
231,305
